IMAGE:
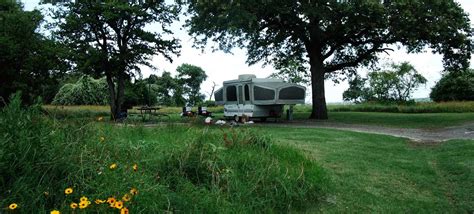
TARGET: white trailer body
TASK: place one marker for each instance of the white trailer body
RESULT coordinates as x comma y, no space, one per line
257,97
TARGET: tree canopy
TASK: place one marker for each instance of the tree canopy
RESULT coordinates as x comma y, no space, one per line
457,86
333,36
395,84
29,61
191,78
109,39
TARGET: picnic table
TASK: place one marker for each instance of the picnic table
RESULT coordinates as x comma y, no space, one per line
146,110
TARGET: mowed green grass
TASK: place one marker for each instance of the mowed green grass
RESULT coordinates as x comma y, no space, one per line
383,174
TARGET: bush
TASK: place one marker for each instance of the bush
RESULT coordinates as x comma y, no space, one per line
246,170
454,87
86,91
209,103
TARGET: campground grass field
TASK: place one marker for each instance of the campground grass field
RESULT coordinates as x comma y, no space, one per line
190,167
383,174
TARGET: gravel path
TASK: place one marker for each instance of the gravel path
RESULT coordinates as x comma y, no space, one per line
465,131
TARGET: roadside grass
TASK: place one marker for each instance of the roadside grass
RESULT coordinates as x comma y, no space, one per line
383,174
418,107
178,168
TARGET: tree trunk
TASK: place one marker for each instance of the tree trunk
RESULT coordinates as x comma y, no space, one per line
120,94
112,103
319,110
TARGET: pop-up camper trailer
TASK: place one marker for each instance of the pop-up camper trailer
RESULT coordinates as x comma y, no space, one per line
257,97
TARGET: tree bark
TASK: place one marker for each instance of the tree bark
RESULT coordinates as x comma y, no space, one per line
112,103
319,110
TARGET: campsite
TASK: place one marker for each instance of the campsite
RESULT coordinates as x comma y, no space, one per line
236,106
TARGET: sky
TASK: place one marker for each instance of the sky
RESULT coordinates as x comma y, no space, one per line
220,66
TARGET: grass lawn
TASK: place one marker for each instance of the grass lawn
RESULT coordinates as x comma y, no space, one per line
376,173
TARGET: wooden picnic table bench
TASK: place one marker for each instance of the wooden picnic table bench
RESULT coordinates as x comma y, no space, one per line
152,111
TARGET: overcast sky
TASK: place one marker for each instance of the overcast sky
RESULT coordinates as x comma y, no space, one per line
220,66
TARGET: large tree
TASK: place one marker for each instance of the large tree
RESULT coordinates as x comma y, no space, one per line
332,36
108,38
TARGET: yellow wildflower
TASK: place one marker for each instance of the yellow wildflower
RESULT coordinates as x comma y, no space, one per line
68,191
73,205
119,204
100,118
83,204
46,193
98,201
124,211
13,206
55,212
84,198
111,200
133,191
102,139
113,166
126,197
135,167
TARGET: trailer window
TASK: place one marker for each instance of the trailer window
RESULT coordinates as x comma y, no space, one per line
247,93
291,93
231,93
218,96
260,93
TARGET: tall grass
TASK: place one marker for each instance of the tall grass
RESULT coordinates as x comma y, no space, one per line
180,169
421,107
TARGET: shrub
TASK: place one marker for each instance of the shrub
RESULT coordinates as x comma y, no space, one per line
454,87
246,170
86,91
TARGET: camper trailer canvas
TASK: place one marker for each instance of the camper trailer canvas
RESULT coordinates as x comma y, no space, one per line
261,98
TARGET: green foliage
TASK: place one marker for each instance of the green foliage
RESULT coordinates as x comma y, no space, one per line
293,72
454,86
209,103
356,91
86,91
190,77
29,61
332,36
392,85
